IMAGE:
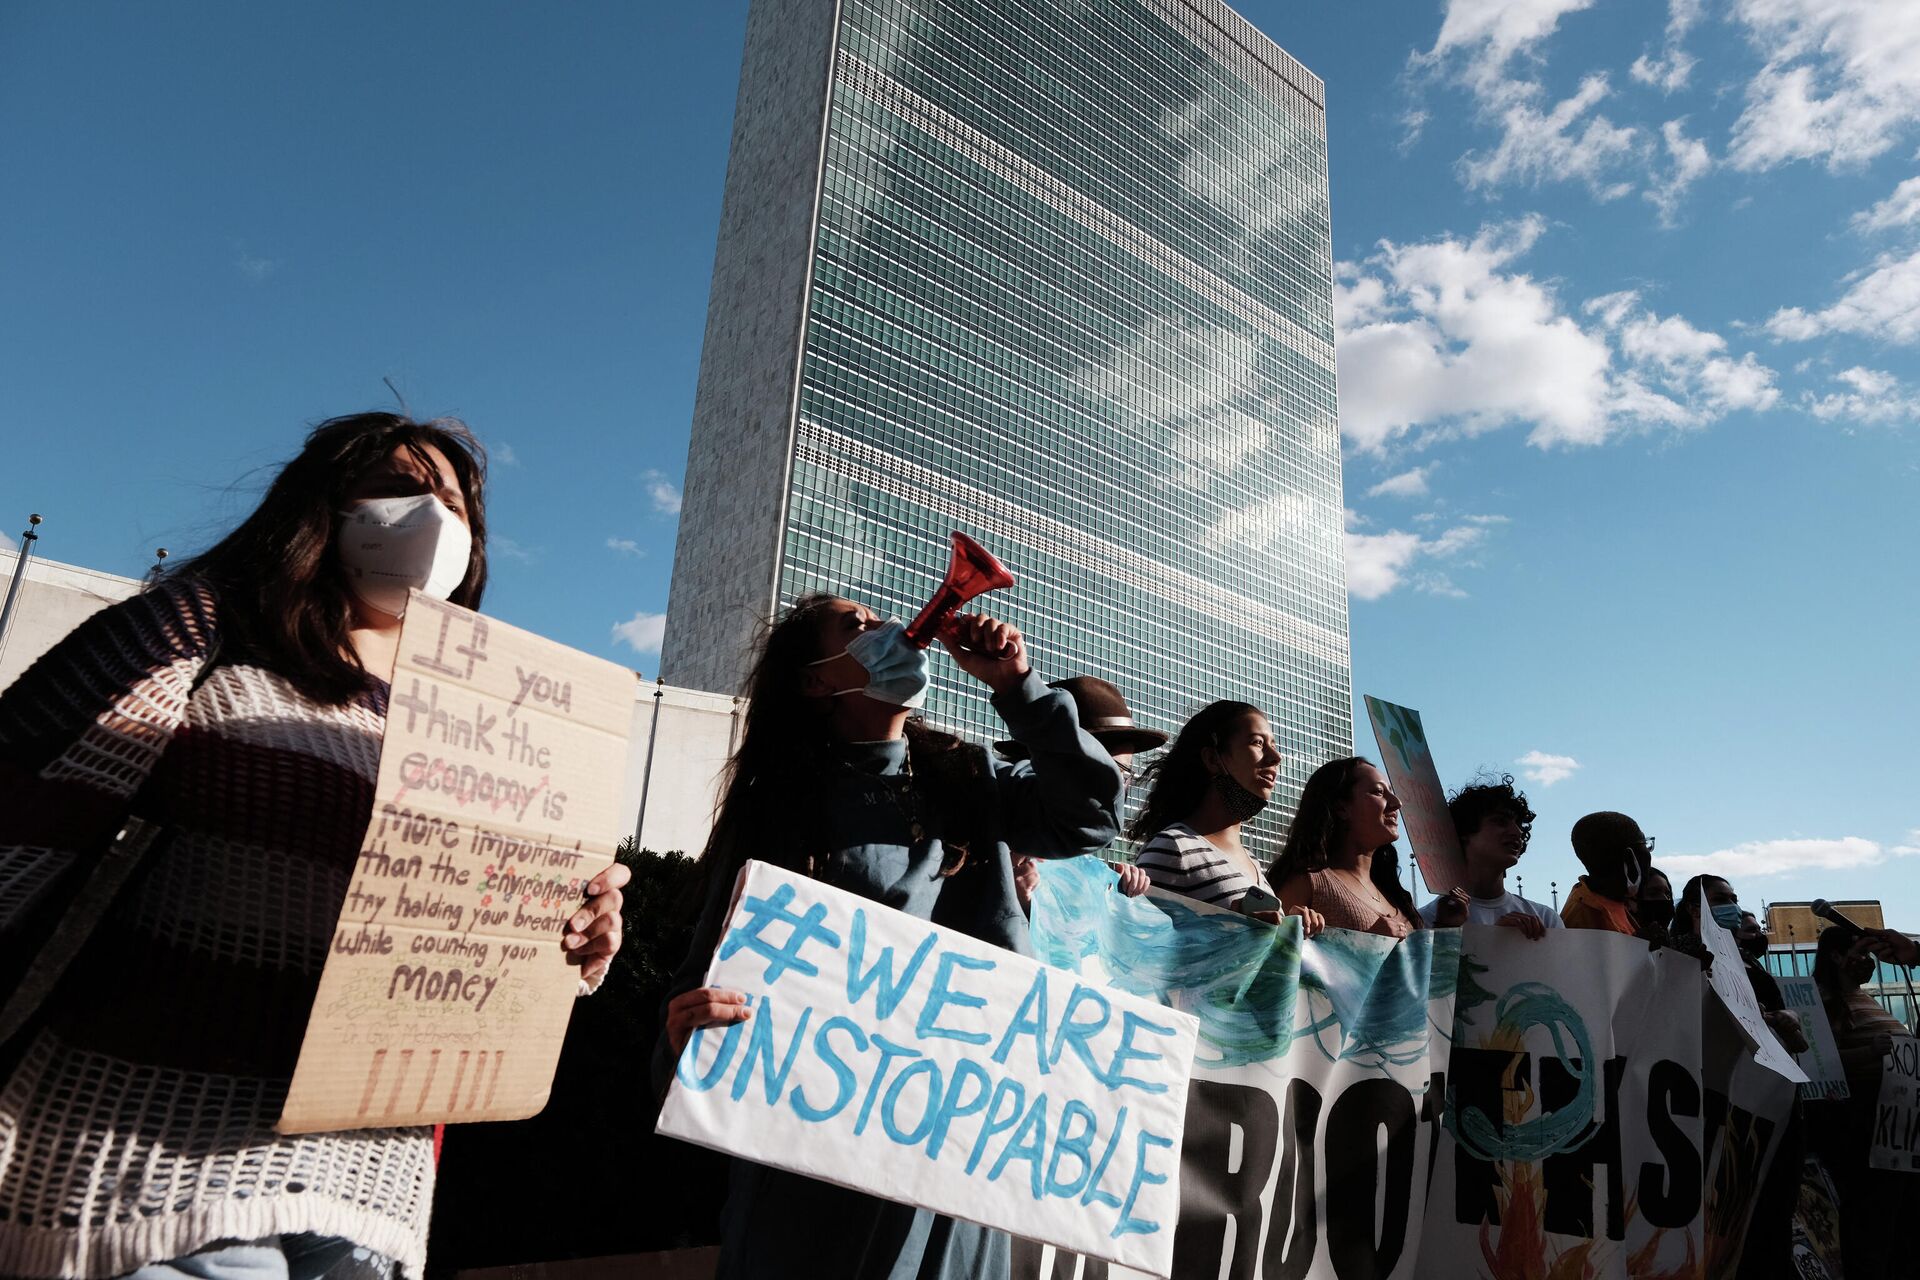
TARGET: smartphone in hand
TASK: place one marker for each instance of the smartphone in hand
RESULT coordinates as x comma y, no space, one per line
1257,900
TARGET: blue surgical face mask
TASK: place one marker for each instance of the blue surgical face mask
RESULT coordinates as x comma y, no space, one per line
896,668
1727,916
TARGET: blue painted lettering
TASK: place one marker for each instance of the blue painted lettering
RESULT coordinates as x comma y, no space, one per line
1128,1224
892,990
842,1073
940,995
890,1121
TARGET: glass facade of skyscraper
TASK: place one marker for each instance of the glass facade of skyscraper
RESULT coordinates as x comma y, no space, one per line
1068,289
1071,294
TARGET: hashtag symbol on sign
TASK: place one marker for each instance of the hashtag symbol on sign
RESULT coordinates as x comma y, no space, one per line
750,934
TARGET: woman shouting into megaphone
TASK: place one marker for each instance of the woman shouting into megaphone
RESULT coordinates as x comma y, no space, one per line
837,778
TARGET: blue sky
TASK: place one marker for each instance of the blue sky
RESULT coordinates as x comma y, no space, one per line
1630,352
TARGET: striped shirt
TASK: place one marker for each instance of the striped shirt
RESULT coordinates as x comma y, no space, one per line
1186,862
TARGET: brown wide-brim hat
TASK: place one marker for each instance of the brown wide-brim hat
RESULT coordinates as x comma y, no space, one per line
1104,713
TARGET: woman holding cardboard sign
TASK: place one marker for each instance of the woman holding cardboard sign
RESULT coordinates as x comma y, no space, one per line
237,706
834,776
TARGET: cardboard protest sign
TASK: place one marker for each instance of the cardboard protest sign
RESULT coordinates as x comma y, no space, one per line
1316,1096
1410,769
1896,1115
912,1062
1821,1060
1728,977
446,994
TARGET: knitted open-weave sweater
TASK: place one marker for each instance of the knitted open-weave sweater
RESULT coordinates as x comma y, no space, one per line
139,1124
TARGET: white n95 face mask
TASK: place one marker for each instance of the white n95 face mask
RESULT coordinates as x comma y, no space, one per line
388,546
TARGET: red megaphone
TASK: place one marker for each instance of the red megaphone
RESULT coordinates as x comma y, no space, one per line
973,571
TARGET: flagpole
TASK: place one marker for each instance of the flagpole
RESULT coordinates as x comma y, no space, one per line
27,540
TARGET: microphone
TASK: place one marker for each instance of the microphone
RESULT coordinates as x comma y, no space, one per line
1826,911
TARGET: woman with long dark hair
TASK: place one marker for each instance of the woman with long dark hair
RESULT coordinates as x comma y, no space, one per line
1339,858
237,705
1219,773
836,778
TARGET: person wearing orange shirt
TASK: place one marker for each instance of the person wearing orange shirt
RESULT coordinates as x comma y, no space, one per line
1617,856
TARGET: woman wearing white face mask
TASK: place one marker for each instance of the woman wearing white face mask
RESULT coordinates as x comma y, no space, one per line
834,778
237,705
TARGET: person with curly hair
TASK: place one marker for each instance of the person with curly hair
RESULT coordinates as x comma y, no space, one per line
1339,860
1494,823
837,779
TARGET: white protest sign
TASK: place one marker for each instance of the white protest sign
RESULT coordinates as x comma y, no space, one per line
1821,1060
912,1062
1896,1117
1728,977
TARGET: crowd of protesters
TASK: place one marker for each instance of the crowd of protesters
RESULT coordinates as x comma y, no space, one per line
237,704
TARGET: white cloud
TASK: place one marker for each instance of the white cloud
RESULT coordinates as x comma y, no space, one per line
1543,770
1841,82
1408,484
1377,563
1688,159
1871,397
253,266
510,549
1478,44
1670,71
1445,335
1777,858
1901,209
1677,373
1491,32
627,547
642,633
1884,303
664,494
1560,143
1455,338
503,454
7,543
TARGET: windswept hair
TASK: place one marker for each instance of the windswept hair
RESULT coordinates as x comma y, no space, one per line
1319,831
283,599
1485,795
1178,779
769,806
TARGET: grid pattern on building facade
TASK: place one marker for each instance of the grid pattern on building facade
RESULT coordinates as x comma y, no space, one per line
1071,293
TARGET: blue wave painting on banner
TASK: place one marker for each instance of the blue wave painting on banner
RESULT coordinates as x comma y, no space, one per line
1457,1103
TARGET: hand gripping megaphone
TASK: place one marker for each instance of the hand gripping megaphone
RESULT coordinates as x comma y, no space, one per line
971,572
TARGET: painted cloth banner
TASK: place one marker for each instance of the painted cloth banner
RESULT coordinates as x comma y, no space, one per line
1415,779
912,1062
1460,1103
1575,1142
1896,1117
1315,1103
1821,1061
